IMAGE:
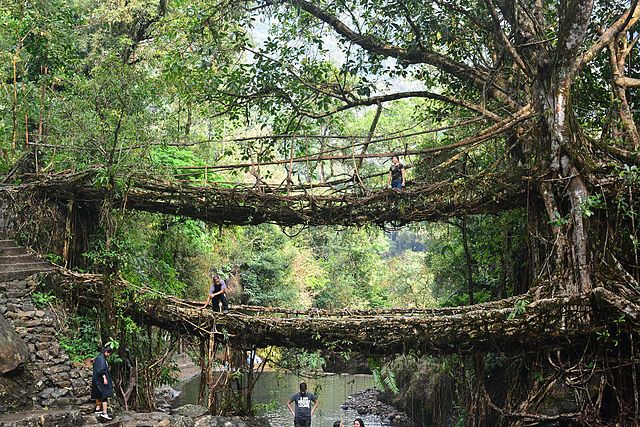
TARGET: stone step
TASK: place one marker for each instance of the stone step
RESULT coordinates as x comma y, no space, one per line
42,265
7,276
13,250
18,259
5,243
26,261
16,285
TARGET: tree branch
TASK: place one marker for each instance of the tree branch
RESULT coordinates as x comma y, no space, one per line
484,135
374,100
627,82
629,18
505,40
480,77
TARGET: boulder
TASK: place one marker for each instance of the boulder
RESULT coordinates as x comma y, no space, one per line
13,350
65,418
180,421
191,411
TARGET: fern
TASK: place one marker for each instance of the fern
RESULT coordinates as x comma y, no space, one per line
390,381
383,378
377,378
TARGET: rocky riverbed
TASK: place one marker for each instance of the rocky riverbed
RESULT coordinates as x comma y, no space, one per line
185,416
366,402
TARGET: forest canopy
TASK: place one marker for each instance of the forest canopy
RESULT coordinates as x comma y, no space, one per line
516,123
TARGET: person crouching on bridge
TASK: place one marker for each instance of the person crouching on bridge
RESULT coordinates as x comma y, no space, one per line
217,294
304,411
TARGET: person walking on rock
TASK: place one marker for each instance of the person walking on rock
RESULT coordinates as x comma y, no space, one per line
217,293
101,383
304,410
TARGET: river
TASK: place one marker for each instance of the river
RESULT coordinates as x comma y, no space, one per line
272,390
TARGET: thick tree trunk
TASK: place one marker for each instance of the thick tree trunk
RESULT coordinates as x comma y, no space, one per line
563,190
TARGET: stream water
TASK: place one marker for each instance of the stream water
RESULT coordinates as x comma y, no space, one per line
273,390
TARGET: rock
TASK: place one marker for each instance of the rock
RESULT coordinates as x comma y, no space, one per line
192,411
366,403
42,354
166,393
31,323
179,421
46,393
64,418
59,392
78,383
57,369
207,421
12,307
163,407
13,350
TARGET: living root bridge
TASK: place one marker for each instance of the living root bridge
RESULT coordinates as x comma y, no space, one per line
487,193
511,325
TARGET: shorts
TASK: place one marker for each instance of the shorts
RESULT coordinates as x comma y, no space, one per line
301,423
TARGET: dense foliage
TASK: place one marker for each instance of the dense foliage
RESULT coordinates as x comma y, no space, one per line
312,98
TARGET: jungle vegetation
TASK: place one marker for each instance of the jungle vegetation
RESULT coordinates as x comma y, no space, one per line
294,97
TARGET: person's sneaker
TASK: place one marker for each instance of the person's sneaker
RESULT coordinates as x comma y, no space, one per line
225,311
105,416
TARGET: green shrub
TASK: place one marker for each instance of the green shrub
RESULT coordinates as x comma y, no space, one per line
43,299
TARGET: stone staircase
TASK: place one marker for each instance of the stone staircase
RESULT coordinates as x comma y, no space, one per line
49,378
17,263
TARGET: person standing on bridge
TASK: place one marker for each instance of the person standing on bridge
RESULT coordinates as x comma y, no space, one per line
396,174
304,411
217,294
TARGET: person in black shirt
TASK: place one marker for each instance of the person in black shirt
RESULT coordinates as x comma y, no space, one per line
396,174
304,410
101,382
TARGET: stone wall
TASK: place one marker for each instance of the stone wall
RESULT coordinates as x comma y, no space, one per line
49,378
